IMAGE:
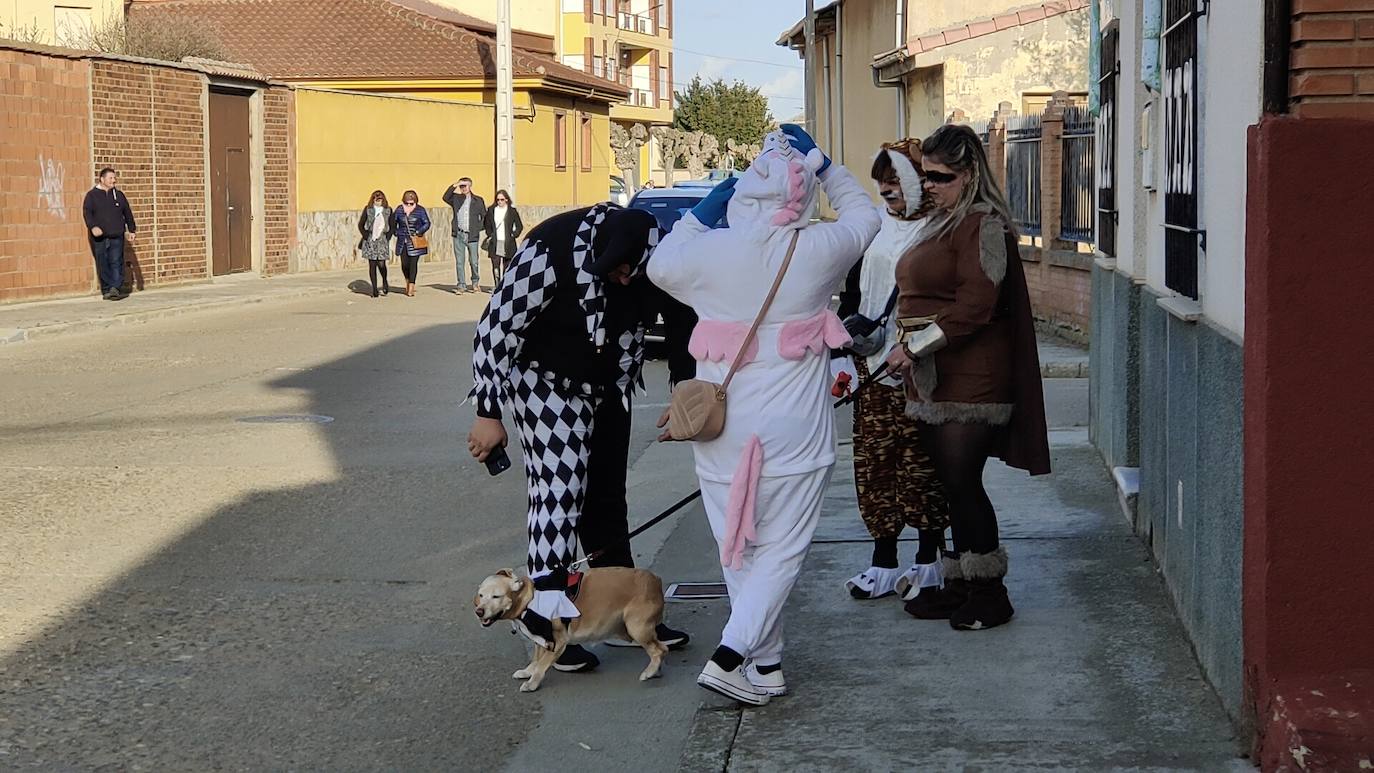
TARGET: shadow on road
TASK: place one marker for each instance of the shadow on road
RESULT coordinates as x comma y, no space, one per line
318,626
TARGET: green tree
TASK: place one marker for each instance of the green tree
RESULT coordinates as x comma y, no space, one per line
735,111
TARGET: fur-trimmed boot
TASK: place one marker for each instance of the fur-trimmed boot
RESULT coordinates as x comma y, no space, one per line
938,603
987,605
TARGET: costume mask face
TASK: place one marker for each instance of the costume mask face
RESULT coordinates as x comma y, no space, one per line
779,188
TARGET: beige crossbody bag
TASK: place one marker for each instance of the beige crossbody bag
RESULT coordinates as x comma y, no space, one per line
697,410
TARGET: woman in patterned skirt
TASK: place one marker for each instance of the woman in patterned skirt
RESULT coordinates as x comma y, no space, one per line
896,483
375,226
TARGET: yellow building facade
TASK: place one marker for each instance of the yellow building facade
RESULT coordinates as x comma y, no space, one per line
55,23
629,42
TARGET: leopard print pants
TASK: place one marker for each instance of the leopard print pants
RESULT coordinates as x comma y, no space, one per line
894,477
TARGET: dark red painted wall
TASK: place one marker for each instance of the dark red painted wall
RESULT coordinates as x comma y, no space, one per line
1309,438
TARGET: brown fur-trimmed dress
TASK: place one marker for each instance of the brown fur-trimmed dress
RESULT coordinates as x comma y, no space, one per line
988,370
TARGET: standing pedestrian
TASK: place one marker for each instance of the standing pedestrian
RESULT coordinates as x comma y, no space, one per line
561,348
895,481
469,211
411,225
971,367
376,226
502,226
109,223
763,479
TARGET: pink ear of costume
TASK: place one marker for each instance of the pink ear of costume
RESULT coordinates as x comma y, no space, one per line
739,512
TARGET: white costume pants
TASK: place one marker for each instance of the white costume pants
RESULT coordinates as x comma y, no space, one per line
787,510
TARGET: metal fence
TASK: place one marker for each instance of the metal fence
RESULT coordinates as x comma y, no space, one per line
1023,172
1077,202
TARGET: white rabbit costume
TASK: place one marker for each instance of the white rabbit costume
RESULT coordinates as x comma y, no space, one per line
764,477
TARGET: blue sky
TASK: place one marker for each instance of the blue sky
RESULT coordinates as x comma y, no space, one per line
733,40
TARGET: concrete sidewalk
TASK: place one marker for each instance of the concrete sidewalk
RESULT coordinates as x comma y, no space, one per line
21,322
1094,673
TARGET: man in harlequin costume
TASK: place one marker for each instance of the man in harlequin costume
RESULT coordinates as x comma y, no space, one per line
764,477
561,345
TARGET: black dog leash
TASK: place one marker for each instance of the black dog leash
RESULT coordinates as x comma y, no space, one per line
687,500
849,398
695,495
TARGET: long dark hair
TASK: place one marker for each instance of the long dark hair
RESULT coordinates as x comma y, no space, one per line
509,201
373,198
958,147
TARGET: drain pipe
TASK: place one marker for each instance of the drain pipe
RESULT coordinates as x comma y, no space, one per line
829,104
878,82
837,143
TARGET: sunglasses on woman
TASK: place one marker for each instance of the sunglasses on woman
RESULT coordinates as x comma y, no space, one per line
940,178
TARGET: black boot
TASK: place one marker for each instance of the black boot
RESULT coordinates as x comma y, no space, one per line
939,603
576,658
987,605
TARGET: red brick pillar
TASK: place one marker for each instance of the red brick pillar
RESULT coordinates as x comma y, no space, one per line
1052,171
997,143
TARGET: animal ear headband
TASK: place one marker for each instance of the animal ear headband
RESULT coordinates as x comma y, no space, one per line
905,156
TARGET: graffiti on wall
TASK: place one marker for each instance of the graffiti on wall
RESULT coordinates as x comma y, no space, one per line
50,174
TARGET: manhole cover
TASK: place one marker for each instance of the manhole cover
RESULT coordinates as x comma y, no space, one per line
696,591
288,418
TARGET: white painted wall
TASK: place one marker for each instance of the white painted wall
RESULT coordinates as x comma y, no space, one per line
1232,38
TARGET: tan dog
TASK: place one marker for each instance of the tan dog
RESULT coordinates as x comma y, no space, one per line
615,602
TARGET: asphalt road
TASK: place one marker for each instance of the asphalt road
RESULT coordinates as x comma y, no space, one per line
183,589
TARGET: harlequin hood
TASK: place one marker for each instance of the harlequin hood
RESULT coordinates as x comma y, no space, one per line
780,187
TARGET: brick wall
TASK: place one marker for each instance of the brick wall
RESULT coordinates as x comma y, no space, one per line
45,160
1332,59
1060,286
148,123
279,178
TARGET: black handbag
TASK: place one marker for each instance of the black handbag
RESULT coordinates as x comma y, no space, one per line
869,335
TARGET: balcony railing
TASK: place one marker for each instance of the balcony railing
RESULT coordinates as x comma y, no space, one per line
636,23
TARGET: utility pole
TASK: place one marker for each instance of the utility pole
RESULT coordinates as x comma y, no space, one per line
809,27
505,107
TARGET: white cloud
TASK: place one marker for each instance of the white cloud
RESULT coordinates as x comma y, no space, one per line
712,67
785,94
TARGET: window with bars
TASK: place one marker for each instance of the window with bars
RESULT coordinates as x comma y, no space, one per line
560,141
586,144
1109,72
1180,82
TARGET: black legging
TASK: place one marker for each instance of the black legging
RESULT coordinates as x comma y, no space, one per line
410,267
605,516
959,452
373,267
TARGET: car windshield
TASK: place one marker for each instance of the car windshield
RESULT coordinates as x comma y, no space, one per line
668,209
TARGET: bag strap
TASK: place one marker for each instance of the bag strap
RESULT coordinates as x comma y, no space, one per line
763,310
887,310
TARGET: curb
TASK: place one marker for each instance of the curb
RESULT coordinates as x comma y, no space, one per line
23,335
711,739
1064,369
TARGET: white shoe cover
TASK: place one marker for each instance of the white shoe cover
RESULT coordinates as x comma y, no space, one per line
920,576
731,684
875,581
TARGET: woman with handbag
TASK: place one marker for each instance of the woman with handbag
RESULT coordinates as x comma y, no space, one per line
972,370
502,226
376,227
762,289
412,223
893,476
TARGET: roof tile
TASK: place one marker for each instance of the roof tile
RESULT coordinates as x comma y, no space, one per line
305,40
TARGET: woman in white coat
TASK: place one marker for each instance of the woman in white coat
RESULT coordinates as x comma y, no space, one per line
764,477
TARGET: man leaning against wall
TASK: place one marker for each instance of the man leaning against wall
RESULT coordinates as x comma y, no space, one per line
109,223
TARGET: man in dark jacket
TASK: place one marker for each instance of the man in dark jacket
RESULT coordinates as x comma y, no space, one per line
469,210
561,346
109,223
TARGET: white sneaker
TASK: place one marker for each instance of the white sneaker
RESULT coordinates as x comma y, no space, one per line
920,576
873,583
771,684
731,684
